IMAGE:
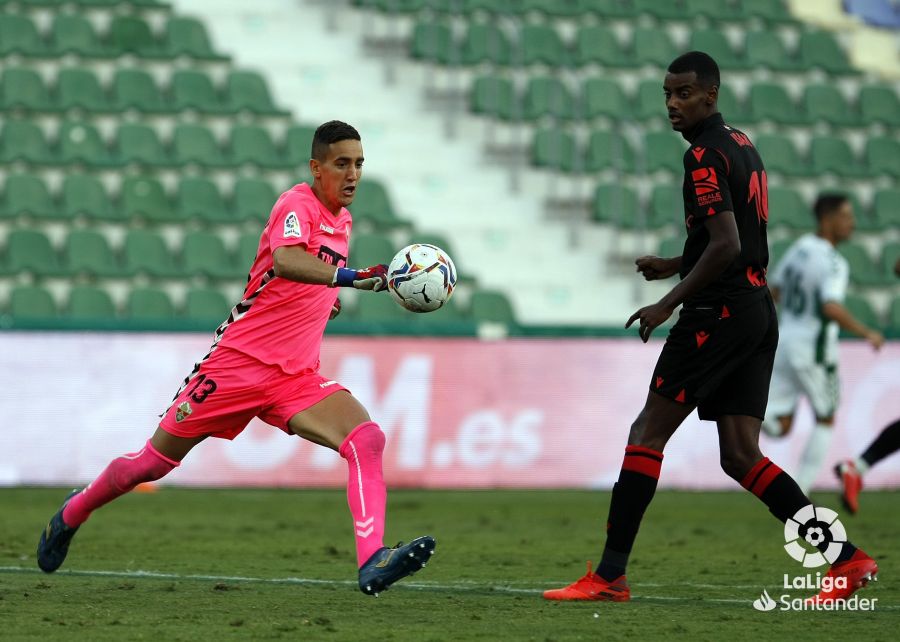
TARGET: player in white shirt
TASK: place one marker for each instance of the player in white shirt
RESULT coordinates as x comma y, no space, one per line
810,284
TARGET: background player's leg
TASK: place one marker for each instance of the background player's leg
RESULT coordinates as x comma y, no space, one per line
814,453
886,443
340,422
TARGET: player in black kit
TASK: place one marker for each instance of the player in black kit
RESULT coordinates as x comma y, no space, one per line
718,357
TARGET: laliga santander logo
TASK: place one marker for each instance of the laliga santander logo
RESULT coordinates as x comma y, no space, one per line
817,526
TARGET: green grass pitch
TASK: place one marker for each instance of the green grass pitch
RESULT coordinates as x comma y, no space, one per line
220,565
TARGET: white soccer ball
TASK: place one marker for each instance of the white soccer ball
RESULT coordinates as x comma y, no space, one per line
421,277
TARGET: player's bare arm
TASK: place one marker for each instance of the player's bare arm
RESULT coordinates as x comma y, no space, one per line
655,268
294,263
842,316
724,247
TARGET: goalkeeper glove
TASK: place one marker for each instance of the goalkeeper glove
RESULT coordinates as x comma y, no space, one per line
371,278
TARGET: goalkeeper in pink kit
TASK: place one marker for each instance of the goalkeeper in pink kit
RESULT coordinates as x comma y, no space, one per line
264,362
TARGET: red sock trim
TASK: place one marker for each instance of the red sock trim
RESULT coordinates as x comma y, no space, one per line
353,434
642,460
760,476
153,450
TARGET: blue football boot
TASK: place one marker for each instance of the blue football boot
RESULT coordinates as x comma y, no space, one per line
54,544
387,565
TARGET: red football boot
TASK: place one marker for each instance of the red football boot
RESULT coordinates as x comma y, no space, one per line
858,570
592,587
851,484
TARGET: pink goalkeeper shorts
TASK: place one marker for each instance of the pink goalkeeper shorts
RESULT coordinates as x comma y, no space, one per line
231,388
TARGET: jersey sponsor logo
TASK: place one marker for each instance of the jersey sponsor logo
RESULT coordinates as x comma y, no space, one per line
326,229
698,153
331,257
741,139
706,186
292,228
757,278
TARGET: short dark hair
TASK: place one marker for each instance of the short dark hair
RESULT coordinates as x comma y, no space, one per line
829,203
334,131
700,63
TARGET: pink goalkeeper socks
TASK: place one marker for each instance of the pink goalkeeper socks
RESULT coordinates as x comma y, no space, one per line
120,476
366,493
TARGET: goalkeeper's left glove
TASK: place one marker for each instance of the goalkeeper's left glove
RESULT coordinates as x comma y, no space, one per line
371,278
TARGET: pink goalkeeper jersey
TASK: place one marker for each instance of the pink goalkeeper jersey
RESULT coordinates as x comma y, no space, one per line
281,322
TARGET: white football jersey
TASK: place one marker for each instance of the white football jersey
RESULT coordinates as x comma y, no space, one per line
811,273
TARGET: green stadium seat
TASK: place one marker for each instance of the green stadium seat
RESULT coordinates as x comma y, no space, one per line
541,44
862,310
654,47
730,11
248,245
890,254
433,42
882,156
206,304
663,11
88,252
84,195
204,253
31,302
145,198
498,7
833,154
770,101
199,198
495,96
555,149
22,88
187,37
79,88
372,203
820,49
88,302
715,43
298,145
27,195
879,104
599,44
138,144
787,209
80,142
195,90
613,8
548,96
24,140
616,204
777,250
650,101
894,317
253,199
604,97
74,34
136,89
247,90
485,42
379,308
827,103
371,249
781,156
252,145
885,207
492,307
394,6
862,268
132,35
664,150
609,150
560,8
145,252
773,11
670,247
730,106
18,35
31,251
667,208
765,48
149,304
196,144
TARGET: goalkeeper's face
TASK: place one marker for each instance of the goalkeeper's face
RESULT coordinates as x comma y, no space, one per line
336,176
687,101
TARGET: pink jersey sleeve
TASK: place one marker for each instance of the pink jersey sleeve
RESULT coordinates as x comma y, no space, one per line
294,221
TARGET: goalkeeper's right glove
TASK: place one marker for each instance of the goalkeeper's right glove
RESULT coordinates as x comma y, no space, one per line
371,278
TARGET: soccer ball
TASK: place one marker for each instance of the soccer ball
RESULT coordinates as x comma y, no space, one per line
421,277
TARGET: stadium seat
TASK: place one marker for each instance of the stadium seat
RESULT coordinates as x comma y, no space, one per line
247,90
662,11
548,96
833,154
879,104
132,35
862,268
252,145
730,106
540,43
770,101
136,89
617,204
195,90
729,11
609,150
773,11
599,44
485,42
787,209
253,199
781,156
145,252
894,317
885,207
604,97
820,49
670,247
715,43
145,198
298,145
186,36
196,144
372,203
777,250
650,101
371,249
31,302
199,198
24,140
30,251
492,307
560,9
827,103
204,253
433,42
79,88
495,96
882,156
765,48
18,35
80,142
664,150
375,308
149,304
88,252
248,245
84,195
206,304
138,143
72,33
27,195
666,206
88,302
555,149
654,47
22,88
862,310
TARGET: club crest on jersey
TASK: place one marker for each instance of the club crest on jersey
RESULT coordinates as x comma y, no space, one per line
292,227
183,411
